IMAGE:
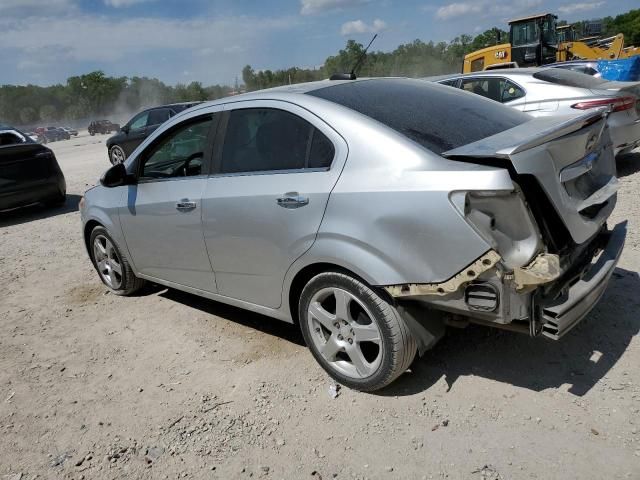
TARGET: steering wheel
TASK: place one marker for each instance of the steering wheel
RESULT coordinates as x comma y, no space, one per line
184,168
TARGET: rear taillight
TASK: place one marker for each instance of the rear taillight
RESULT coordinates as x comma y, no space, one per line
616,104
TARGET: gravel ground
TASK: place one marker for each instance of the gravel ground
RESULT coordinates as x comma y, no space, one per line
169,385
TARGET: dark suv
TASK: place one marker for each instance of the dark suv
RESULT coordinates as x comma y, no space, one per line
102,126
140,127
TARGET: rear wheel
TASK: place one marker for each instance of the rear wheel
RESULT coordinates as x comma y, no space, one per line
117,155
113,268
356,335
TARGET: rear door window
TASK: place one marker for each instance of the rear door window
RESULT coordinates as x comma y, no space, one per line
159,116
498,89
269,139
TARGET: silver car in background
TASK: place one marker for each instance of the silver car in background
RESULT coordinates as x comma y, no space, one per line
370,213
554,91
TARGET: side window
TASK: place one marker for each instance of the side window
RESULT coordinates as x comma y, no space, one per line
140,121
322,151
181,153
159,116
511,91
10,138
267,139
449,83
478,86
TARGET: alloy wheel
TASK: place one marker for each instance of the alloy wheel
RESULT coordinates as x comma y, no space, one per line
107,261
345,333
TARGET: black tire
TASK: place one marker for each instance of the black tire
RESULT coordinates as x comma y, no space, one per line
128,282
396,345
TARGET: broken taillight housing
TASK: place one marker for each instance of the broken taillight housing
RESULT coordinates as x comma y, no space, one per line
504,221
617,104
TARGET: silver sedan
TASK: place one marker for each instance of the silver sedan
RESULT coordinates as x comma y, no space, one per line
554,91
368,212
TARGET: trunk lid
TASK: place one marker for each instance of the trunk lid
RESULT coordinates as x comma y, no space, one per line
571,158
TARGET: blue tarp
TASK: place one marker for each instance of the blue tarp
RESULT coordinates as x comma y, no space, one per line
627,70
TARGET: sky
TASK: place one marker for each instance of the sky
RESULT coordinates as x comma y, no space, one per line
44,42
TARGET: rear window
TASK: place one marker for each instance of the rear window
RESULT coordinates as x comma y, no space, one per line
437,117
569,78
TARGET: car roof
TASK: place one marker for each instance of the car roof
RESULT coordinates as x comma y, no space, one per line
295,89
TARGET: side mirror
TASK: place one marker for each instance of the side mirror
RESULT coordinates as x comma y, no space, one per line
117,176
125,129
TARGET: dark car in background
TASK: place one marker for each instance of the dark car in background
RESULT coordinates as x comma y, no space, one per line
122,144
29,172
102,126
53,134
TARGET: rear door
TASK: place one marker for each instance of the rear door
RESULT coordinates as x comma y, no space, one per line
264,203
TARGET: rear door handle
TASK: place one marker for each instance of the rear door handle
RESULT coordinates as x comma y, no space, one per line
292,200
185,205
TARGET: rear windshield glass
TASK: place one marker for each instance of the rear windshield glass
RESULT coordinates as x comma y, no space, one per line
437,117
568,78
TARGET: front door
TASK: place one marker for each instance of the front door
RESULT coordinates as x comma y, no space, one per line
263,206
161,221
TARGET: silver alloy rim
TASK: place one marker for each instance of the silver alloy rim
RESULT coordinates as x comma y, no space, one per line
117,155
107,261
339,337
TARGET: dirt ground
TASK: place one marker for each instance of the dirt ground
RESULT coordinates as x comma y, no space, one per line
169,385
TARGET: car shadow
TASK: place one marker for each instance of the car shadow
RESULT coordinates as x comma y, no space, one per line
578,360
36,212
262,323
628,164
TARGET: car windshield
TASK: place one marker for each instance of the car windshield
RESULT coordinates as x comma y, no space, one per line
569,78
437,117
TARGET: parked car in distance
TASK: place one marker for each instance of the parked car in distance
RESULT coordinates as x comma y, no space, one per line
54,134
71,131
102,126
361,211
123,143
29,172
543,92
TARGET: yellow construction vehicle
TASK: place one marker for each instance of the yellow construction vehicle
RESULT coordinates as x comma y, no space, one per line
536,40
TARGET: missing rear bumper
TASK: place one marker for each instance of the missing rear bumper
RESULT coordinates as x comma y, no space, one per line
562,314
466,275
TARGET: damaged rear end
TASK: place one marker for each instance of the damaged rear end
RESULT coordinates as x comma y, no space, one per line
552,252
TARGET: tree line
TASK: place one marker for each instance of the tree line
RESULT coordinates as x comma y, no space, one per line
96,94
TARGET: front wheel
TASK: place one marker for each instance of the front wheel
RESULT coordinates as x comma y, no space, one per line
356,335
113,268
117,155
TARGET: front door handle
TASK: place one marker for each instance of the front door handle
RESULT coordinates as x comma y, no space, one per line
292,200
185,205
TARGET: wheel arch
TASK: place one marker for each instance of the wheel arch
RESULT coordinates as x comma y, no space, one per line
88,228
306,273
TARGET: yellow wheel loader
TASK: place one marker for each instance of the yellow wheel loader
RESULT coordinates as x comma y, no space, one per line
536,41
